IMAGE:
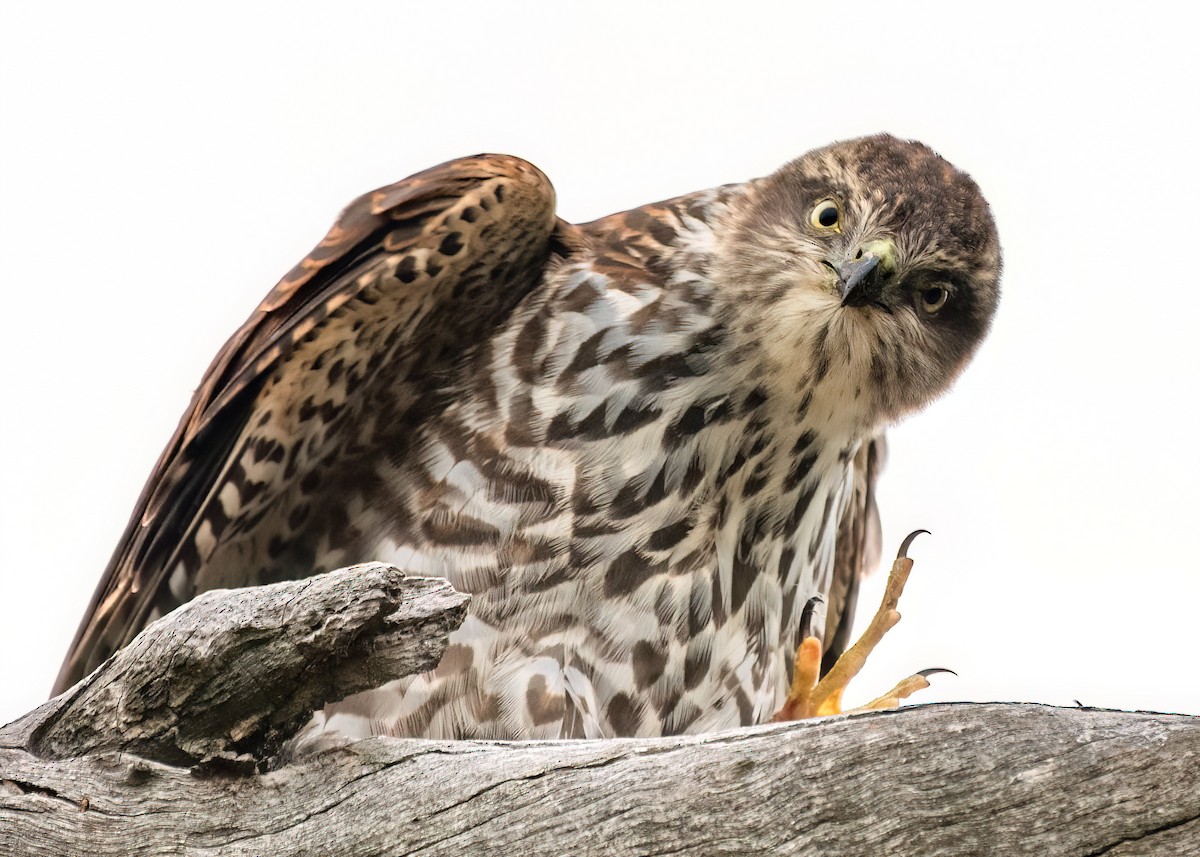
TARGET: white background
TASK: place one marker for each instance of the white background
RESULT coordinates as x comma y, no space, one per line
161,170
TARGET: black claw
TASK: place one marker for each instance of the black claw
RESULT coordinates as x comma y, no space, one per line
934,671
806,615
904,545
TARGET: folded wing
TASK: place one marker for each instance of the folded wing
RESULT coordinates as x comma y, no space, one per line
348,351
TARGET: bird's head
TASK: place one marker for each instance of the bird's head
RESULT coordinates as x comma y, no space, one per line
872,266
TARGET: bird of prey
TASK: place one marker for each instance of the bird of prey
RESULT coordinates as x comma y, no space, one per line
643,444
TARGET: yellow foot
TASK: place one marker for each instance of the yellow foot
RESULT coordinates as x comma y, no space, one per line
811,698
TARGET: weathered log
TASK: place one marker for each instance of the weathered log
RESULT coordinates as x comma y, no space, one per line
964,778
233,674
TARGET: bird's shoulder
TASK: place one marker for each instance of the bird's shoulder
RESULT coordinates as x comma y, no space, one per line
649,235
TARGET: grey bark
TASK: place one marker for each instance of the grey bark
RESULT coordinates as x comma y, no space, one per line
170,748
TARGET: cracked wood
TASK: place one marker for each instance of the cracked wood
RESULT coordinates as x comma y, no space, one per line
936,779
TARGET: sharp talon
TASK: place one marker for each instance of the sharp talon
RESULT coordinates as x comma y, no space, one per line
903,554
805,629
814,695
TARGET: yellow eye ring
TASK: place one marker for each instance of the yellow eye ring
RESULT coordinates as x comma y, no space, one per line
826,215
933,299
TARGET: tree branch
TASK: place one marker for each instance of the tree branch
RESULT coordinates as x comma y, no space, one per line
243,668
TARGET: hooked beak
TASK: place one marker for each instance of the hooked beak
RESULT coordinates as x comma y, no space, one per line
861,278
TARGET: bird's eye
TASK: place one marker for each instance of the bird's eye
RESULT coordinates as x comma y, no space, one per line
933,299
826,215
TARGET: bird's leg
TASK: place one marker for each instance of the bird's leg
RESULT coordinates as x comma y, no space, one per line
811,698
805,670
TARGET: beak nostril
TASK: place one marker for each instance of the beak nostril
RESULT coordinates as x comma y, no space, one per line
858,255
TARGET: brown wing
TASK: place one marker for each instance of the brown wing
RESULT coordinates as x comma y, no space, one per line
859,546
434,262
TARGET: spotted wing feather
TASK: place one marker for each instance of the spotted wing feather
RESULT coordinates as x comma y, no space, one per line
413,274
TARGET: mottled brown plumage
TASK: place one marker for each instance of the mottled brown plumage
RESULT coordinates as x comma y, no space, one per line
642,443
332,328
